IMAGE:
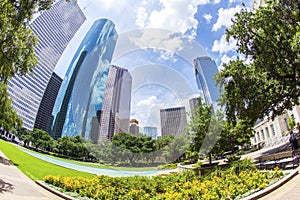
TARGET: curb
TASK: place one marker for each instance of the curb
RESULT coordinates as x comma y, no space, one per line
54,191
272,187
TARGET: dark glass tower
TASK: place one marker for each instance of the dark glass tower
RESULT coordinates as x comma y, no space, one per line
82,90
44,117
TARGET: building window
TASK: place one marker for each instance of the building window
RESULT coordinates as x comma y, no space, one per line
273,129
286,123
262,134
267,131
258,136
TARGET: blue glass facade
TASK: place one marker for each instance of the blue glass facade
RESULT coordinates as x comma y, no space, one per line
82,90
54,31
205,70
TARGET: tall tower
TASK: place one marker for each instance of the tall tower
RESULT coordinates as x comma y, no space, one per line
80,97
173,121
116,103
134,126
54,29
44,117
205,70
194,103
151,132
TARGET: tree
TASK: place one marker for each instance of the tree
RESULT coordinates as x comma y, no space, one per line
41,139
198,126
17,39
9,119
17,55
270,84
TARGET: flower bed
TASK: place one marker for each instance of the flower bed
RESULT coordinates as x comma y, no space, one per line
217,185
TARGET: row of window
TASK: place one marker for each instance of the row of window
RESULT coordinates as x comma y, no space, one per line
264,134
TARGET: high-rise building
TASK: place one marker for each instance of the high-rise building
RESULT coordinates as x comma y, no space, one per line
81,94
205,70
44,115
151,132
116,103
194,103
54,29
173,121
134,126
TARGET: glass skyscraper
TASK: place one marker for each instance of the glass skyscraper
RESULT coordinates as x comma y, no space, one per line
205,70
80,97
151,132
43,118
54,29
115,111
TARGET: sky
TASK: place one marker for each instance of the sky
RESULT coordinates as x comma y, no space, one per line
201,21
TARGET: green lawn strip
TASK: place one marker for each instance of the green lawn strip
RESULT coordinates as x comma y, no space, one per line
35,168
97,165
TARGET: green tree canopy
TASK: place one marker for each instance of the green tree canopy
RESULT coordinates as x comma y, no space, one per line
17,40
17,54
270,37
9,118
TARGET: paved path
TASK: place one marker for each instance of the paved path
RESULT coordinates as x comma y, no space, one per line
290,190
14,185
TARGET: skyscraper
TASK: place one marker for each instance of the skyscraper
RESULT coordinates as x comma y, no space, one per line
194,102
173,121
205,70
151,132
134,126
54,29
44,117
116,103
81,94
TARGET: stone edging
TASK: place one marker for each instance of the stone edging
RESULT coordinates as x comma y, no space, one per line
272,187
54,191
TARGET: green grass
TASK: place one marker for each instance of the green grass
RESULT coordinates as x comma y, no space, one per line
33,167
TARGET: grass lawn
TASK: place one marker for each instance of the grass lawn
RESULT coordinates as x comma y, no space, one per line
33,167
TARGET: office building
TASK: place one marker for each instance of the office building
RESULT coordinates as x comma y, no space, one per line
173,121
82,90
194,103
44,115
205,70
134,126
151,132
116,103
54,29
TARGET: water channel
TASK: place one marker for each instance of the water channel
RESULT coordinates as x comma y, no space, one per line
95,170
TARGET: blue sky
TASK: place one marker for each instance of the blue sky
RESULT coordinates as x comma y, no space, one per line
204,21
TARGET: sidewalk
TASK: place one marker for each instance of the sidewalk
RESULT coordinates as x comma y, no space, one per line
290,190
14,185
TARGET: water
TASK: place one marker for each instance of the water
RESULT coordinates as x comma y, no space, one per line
95,170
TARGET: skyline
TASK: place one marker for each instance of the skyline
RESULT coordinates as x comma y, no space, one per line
203,21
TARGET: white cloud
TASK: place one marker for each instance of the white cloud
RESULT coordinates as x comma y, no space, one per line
222,46
217,1
225,16
141,17
176,15
147,102
225,59
207,17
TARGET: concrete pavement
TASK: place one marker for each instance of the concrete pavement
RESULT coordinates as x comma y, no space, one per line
14,185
